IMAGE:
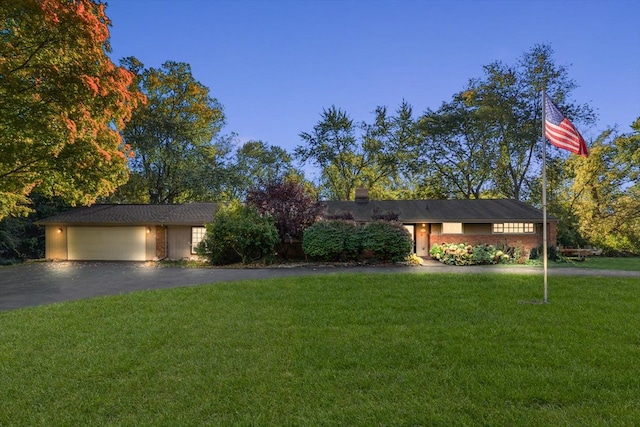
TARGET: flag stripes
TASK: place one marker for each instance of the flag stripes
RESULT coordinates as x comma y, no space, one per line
561,132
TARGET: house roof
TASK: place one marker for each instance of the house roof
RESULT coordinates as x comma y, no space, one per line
409,211
185,214
436,211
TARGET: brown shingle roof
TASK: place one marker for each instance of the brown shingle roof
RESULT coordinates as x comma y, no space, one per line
409,211
435,211
187,214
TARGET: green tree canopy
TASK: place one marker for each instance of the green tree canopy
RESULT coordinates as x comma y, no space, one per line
350,155
172,135
62,102
457,150
254,162
507,115
601,201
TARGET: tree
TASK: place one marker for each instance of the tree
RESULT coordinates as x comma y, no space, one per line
172,135
332,148
458,149
509,100
393,141
257,161
20,238
602,199
290,207
371,155
62,102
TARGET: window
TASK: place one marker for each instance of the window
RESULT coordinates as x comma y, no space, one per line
197,234
451,228
514,227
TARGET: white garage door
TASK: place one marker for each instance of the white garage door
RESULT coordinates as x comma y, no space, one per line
106,243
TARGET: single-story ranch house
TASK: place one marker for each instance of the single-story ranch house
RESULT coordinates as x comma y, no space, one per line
477,221
154,232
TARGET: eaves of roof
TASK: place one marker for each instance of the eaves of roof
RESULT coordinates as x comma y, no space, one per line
182,214
437,211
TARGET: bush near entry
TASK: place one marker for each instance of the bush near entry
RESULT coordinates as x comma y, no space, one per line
387,240
336,240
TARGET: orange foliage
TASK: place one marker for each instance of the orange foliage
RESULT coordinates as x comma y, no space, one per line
92,83
71,126
77,106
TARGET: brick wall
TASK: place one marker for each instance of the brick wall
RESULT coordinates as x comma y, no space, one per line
527,241
552,234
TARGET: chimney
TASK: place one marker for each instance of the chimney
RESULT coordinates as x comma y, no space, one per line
362,195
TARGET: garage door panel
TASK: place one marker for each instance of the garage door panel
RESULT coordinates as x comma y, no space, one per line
106,243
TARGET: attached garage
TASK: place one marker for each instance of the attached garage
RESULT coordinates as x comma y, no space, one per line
106,243
126,232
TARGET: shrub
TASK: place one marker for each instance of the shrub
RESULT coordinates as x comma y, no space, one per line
463,254
387,241
519,254
238,231
482,254
332,240
344,240
454,254
290,206
414,259
552,253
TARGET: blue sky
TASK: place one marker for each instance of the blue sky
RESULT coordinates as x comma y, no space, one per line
275,65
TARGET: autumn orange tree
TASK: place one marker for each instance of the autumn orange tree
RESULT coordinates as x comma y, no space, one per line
62,102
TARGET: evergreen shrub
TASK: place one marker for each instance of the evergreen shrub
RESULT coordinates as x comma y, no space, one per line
332,240
238,232
387,240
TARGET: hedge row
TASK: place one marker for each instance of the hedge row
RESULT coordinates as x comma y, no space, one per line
340,240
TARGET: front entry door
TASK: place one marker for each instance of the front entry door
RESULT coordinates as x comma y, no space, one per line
422,240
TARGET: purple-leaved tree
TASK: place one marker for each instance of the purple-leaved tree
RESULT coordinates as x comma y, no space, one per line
290,206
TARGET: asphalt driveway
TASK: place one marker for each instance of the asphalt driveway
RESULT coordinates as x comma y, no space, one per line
50,282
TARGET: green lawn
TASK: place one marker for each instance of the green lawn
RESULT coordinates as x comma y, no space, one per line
603,263
357,350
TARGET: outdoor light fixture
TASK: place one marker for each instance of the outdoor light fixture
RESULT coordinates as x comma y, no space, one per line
148,230
59,230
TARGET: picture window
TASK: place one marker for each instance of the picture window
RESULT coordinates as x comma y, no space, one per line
197,235
514,228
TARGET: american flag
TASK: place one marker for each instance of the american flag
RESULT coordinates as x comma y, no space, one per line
561,131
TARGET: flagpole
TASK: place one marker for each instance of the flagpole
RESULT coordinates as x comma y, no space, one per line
544,198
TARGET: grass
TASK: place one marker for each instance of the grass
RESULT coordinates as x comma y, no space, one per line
361,350
603,263
596,262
